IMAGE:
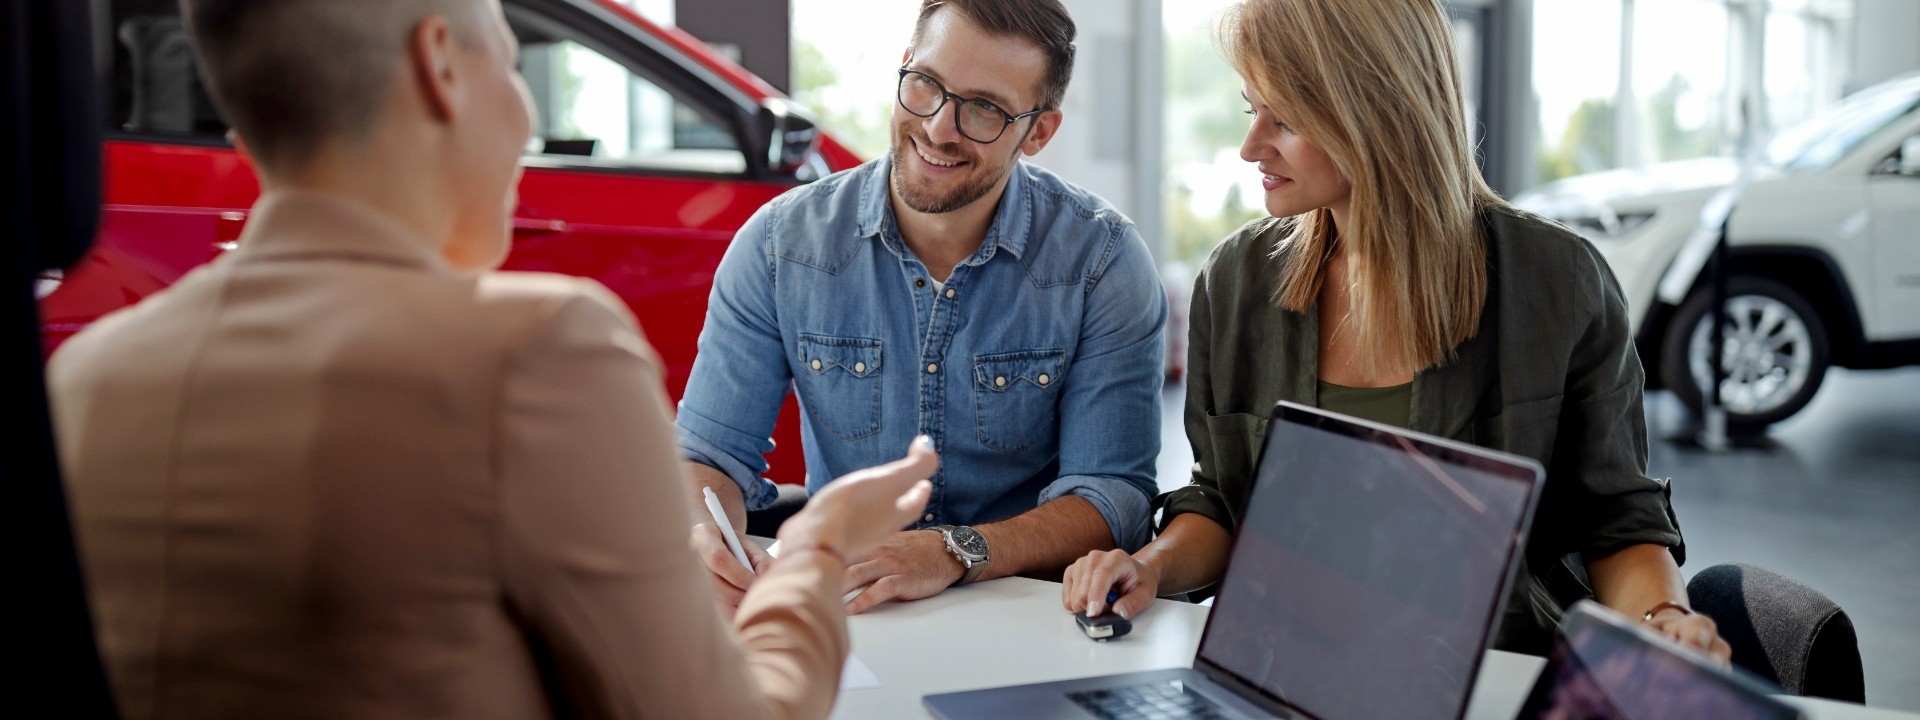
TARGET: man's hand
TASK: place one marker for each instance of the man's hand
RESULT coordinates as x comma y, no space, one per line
730,579
911,565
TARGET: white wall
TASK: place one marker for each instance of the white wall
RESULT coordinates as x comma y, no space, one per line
1886,41
1111,141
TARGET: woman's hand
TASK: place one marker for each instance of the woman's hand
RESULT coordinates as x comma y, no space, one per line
1692,630
858,511
1089,579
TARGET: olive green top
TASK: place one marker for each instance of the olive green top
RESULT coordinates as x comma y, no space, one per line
1550,374
1387,405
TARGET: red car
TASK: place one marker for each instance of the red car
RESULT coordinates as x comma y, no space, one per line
653,151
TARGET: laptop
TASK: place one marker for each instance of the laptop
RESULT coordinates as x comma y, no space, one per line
1604,668
1364,581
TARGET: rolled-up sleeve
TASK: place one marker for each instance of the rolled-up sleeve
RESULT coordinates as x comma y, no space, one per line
1110,403
1602,442
740,374
1201,495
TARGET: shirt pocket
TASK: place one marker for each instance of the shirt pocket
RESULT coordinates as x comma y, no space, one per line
1015,397
839,384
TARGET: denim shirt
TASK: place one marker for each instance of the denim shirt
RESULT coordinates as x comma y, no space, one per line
1036,371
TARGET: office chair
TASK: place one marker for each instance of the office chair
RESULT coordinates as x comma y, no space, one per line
1782,630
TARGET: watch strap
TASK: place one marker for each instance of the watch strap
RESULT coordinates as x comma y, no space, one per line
973,572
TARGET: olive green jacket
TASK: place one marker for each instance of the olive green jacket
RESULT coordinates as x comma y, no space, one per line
1551,374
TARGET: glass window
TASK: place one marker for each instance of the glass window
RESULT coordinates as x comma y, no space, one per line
596,111
1679,78
1820,142
154,85
1788,85
1576,71
1209,191
1466,41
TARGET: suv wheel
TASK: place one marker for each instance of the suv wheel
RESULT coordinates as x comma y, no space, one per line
1774,352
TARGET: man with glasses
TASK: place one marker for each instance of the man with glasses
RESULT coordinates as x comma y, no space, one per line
951,290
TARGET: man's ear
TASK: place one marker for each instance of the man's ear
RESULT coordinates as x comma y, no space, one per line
1044,126
430,53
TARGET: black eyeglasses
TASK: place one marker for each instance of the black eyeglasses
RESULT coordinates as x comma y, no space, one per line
978,120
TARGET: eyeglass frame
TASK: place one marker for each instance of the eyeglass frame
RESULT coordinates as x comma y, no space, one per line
946,95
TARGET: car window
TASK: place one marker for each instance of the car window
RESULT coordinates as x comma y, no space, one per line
596,111
1820,142
154,87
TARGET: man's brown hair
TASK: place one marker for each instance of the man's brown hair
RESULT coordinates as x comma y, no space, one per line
291,74
1043,22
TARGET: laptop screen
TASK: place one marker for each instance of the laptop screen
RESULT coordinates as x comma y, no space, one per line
1367,570
1602,669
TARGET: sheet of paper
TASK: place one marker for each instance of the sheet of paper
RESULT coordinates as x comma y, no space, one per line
774,550
856,676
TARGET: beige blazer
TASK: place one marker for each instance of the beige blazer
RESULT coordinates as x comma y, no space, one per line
327,477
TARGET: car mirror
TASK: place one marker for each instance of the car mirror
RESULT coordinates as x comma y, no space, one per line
793,140
1910,157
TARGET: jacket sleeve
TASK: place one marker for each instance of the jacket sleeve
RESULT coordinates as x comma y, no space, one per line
1601,444
591,545
1202,493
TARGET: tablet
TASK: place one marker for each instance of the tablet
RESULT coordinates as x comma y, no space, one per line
1603,667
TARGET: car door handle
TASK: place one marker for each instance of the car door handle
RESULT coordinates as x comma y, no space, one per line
534,227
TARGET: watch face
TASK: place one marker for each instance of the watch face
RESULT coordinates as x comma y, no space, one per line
970,542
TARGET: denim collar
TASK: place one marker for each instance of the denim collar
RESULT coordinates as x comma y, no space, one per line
1011,221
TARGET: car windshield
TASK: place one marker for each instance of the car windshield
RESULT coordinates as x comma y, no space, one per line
1819,143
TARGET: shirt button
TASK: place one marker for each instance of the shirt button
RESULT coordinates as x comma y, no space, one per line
817,366
1044,380
933,368
928,518
949,293
919,282
859,367
1000,381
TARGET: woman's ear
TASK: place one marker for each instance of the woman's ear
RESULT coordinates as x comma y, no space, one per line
430,52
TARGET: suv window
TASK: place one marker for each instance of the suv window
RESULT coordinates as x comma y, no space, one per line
597,111
153,85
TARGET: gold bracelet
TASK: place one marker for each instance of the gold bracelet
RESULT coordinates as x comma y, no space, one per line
1664,605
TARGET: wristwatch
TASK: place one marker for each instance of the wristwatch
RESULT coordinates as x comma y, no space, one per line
968,546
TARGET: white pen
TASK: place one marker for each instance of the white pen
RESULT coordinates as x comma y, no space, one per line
726,527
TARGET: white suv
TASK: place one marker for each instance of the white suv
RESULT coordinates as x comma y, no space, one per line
1825,255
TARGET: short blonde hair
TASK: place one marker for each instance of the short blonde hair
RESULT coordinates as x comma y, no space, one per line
290,75
1376,84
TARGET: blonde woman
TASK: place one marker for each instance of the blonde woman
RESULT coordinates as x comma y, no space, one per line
1391,283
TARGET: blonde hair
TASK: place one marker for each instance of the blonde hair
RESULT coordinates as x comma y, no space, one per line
1376,84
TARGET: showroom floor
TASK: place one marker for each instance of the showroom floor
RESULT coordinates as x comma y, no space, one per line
1831,497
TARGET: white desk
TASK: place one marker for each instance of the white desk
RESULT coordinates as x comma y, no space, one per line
1012,631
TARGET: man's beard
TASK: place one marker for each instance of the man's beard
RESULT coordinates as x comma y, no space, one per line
980,182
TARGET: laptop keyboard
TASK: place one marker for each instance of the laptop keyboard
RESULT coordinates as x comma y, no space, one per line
1169,700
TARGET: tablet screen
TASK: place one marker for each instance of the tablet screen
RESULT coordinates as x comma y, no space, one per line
1602,669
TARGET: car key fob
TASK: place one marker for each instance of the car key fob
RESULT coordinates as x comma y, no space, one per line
1105,626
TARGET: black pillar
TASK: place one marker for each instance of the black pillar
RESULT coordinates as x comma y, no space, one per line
761,31
50,204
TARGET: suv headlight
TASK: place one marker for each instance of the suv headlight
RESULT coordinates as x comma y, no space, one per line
1608,225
